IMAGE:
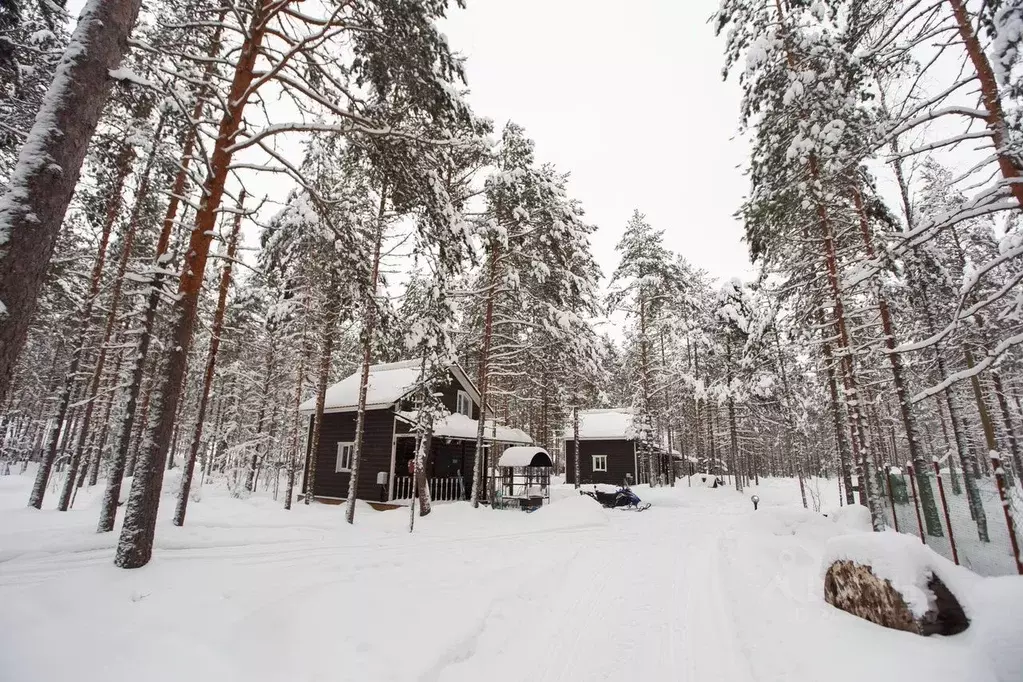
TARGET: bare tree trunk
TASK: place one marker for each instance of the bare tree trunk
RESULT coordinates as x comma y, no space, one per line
1007,425
841,437
322,376
210,451
141,194
422,458
932,519
987,425
368,330
297,426
122,169
483,378
264,397
733,435
49,163
575,445
139,429
967,459
698,433
860,446
953,474
849,374
96,456
667,414
216,330
644,369
135,546
992,101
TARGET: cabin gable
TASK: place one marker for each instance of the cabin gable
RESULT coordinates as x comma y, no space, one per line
449,399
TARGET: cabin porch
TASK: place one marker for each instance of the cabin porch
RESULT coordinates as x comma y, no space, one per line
448,468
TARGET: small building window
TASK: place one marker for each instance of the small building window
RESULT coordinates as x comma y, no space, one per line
345,452
464,404
600,462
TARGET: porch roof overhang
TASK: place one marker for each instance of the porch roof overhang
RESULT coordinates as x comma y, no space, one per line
460,427
525,456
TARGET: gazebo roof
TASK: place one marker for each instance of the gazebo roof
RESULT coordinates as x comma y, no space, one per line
524,456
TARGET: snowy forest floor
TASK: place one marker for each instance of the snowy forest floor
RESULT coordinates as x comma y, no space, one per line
698,588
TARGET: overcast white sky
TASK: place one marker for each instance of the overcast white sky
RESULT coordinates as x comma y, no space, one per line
629,99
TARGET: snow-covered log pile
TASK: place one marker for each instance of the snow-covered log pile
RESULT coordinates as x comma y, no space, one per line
895,581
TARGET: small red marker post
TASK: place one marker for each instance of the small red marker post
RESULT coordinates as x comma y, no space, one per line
996,465
944,507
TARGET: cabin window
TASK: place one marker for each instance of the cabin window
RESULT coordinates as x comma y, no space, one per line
464,404
345,452
600,462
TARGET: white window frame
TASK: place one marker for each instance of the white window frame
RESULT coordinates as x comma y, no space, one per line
600,457
460,396
339,458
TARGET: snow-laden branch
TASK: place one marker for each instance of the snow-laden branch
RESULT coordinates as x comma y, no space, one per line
985,362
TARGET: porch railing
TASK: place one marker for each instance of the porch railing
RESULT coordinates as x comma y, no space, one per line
441,489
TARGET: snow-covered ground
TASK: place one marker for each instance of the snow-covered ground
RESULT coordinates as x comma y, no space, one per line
699,587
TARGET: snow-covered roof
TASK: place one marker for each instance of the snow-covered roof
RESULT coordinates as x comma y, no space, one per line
388,383
465,428
524,456
612,424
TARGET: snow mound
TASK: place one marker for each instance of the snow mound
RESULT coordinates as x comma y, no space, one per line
796,521
662,497
853,517
708,480
903,561
997,628
571,512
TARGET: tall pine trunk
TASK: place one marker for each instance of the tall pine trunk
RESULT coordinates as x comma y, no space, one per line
48,166
96,456
838,420
127,246
122,168
575,445
479,465
867,484
668,412
368,330
732,432
296,438
989,95
135,546
322,376
259,450
216,330
909,423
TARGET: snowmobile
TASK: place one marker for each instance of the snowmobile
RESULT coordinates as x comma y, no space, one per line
623,498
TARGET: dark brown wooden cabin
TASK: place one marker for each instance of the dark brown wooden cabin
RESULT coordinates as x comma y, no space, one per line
608,448
389,439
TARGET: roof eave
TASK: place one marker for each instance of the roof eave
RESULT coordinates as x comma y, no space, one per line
349,408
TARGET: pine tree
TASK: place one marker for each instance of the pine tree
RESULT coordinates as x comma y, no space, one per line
37,196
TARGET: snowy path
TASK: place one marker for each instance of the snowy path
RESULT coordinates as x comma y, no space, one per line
698,588
618,608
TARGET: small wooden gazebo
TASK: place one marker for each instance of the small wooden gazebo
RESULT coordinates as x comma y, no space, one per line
524,478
